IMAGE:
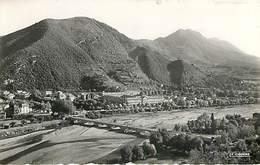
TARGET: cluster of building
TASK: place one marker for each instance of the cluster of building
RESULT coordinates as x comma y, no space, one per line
17,103
23,103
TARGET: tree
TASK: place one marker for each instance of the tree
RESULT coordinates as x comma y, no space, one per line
256,94
213,124
232,132
93,82
197,143
184,128
256,123
246,131
178,142
196,156
63,106
138,153
10,110
224,138
181,102
165,136
149,149
241,146
156,139
223,124
10,86
36,95
254,149
177,127
126,153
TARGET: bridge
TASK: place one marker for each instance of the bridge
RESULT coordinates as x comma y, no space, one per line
138,131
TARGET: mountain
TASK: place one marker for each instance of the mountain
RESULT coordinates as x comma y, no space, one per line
82,53
60,53
193,47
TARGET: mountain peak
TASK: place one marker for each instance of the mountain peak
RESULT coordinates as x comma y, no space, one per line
187,33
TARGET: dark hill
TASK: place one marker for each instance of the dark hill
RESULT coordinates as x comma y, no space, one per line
59,53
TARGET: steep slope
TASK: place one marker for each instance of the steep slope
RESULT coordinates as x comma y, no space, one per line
59,53
152,63
163,70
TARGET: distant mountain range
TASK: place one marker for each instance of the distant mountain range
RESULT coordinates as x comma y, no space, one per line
62,54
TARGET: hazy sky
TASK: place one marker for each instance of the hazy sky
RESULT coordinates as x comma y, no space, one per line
237,21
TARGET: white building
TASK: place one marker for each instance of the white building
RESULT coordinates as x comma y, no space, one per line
24,108
70,97
60,95
48,93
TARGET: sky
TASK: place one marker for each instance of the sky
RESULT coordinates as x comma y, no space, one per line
236,21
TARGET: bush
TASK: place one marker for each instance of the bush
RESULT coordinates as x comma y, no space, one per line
138,153
156,139
241,146
63,106
36,95
185,143
246,131
126,154
165,136
149,150
177,127
232,131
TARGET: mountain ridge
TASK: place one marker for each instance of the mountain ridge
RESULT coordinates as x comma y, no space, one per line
61,53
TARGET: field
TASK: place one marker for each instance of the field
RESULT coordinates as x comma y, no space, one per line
167,119
73,144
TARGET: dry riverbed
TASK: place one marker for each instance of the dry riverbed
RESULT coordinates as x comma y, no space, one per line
167,119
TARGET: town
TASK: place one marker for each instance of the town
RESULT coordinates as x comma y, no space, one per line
36,106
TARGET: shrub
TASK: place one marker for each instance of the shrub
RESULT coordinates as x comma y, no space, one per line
149,150
165,136
156,139
138,153
232,131
63,106
246,131
126,153
241,146
177,127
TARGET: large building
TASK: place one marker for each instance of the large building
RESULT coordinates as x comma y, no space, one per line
119,94
23,108
144,100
